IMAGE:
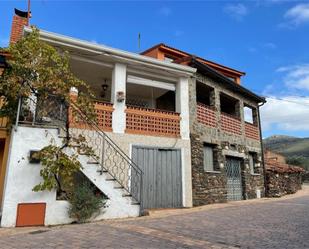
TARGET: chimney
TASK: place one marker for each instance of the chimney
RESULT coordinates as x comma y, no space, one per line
20,20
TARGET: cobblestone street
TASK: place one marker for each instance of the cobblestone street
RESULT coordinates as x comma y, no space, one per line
276,223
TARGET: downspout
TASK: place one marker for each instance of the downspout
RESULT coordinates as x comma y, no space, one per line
262,147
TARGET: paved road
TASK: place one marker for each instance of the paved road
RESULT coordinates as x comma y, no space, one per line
280,223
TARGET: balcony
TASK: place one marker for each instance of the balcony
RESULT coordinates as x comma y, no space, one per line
230,124
155,122
206,115
252,131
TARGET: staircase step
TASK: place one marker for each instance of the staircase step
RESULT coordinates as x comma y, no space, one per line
102,171
119,187
135,203
93,162
110,179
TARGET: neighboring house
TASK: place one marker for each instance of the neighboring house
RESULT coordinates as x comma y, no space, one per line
142,136
281,178
274,157
225,130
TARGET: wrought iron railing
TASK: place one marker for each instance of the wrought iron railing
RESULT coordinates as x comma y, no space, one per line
55,111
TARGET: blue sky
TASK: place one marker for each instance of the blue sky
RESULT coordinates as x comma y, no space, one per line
268,39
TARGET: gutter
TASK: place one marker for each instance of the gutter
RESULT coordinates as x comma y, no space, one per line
262,147
105,50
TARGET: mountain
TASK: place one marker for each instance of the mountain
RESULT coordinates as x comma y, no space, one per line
294,148
288,146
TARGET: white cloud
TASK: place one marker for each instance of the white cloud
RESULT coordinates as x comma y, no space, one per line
165,11
288,113
236,11
298,14
179,33
296,76
270,45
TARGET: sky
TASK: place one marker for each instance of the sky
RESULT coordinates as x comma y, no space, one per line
268,39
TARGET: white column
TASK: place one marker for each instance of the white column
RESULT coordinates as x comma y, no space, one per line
119,85
182,106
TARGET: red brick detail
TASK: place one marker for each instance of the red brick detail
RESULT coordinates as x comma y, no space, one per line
252,131
152,122
17,28
206,115
230,124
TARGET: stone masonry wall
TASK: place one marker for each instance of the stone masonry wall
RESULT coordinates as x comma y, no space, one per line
210,187
279,184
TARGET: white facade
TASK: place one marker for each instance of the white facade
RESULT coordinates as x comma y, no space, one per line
22,176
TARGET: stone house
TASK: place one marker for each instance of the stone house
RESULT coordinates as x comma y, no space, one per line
172,131
226,146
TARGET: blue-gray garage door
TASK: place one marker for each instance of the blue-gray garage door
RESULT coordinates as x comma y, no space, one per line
162,180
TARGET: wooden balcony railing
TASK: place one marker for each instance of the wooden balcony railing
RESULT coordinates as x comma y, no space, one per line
206,115
152,122
230,124
252,131
104,112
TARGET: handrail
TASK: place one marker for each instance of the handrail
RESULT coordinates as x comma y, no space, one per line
94,125
56,111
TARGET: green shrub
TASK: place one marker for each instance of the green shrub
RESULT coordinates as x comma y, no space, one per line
85,203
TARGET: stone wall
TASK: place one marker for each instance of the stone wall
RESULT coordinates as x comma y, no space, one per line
210,187
280,184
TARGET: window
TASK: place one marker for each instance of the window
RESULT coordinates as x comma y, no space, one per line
208,158
252,163
229,105
205,94
250,115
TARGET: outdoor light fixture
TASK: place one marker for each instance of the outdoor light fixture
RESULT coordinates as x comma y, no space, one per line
104,89
120,96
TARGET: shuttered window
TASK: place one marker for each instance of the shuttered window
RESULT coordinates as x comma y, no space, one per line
251,163
208,158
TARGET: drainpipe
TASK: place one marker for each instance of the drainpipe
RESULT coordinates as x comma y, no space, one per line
262,147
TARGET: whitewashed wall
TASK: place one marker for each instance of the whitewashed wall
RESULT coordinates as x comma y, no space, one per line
21,176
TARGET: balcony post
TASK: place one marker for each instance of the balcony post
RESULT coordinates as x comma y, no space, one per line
182,106
118,89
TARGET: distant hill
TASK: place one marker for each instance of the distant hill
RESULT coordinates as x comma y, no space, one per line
289,146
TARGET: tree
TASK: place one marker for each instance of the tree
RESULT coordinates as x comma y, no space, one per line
34,67
298,161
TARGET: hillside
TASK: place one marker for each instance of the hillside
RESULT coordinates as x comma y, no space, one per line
288,146
291,147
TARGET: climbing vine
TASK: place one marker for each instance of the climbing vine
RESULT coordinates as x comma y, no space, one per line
35,67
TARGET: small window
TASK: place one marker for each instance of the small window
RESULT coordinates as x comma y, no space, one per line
252,163
205,94
250,115
229,105
208,158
